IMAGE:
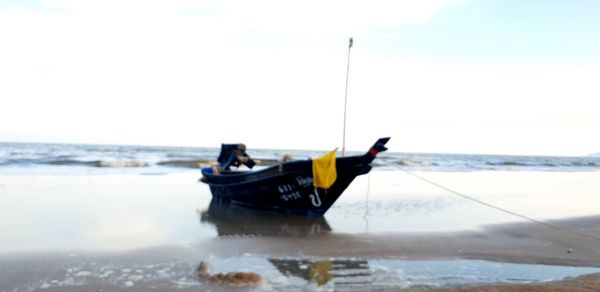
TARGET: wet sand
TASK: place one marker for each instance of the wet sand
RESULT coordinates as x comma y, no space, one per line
587,283
518,243
141,232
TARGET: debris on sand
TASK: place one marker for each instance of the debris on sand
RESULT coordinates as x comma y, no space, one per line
237,279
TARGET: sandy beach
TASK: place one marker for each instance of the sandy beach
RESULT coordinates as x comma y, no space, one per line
388,231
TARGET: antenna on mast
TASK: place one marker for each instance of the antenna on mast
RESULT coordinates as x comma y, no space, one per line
350,43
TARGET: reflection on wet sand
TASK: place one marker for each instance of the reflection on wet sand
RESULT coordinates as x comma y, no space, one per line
321,272
230,219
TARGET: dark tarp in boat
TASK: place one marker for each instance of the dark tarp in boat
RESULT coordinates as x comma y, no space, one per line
234,155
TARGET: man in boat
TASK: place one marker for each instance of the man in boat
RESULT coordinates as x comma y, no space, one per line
234,155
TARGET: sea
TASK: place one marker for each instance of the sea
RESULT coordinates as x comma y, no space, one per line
69,159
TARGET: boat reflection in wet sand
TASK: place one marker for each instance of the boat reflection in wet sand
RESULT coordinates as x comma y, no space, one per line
287,187
230,219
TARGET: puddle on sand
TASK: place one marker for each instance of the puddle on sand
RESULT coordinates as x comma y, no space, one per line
296,274
340,274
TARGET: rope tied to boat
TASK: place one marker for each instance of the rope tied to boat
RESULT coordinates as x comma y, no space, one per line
546,224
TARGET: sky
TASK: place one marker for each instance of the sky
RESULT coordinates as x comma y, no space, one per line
442,76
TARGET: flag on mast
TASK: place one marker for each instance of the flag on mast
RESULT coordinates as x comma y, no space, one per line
351,42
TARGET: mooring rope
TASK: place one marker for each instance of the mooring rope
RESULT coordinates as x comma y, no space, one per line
550,225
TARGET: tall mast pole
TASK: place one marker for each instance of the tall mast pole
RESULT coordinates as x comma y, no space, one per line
346,98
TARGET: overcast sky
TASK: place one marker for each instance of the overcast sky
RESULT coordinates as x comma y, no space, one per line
454,76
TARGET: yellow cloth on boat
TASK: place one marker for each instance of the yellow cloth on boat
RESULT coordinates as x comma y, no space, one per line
324,172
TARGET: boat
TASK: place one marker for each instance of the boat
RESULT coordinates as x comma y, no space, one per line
286,187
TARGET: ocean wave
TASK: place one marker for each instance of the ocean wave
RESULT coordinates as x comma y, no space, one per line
17,158
442,163
98,163
413,163
71,162
120,163
508,163
199,163
191,163
18,161
585,164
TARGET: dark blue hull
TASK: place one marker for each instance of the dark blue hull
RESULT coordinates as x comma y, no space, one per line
288,187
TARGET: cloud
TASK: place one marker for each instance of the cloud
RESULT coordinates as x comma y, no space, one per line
269,73
309,19
319,18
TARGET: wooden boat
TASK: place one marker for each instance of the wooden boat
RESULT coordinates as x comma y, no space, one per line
286,187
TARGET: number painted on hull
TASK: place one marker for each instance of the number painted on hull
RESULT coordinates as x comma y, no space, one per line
291,196
291,191
304,181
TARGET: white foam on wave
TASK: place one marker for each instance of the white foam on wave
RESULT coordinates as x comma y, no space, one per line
413,163
121,163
